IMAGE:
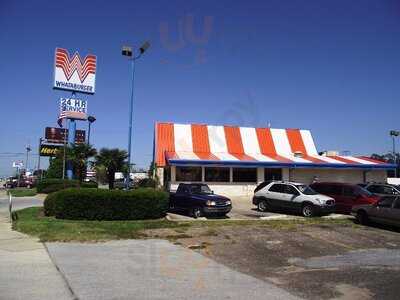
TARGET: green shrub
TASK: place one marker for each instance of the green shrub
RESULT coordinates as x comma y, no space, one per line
98,204
48,186
49,204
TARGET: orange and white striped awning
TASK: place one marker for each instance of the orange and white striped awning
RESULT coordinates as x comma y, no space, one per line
195,144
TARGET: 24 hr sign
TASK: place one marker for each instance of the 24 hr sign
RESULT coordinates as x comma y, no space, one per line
73,108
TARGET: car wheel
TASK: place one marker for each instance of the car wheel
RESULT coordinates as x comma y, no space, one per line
362,217
308,210
196,212
262,205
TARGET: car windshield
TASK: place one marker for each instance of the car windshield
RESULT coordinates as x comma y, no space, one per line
306,190
363,192
200,189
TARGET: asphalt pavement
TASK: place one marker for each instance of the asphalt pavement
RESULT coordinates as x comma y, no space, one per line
153,269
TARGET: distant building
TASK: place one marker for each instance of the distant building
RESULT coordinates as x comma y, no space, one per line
233,160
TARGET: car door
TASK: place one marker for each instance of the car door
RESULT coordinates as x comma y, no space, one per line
349,198
380,212
336,192
276,195
292,198
395,213
180,197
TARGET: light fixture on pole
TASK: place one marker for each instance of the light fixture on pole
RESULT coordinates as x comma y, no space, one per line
28,149
127,51
90,119
393,134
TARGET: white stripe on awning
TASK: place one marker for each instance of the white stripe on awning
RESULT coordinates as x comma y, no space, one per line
250,141
217,140
359,160
183,138
308,142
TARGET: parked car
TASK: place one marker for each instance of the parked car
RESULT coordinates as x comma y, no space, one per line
292,196
346,195
385,211
382,189
120,184
198,200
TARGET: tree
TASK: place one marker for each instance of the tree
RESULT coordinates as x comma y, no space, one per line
113,160
55,168
78,156
153,174
391,159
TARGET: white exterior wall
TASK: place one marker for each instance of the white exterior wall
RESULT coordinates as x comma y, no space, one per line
232,189
376,176
337,175
227,189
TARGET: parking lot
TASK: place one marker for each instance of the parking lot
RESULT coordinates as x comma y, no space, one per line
330,260
243,209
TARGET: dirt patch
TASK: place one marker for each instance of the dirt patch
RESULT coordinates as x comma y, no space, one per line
273,254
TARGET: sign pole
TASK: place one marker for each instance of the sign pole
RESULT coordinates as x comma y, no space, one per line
40,147
71,142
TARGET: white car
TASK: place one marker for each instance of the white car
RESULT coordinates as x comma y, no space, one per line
292,196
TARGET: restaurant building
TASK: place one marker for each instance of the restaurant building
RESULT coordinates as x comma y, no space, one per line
233,160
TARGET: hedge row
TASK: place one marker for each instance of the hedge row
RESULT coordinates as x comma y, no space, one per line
98,204
47,186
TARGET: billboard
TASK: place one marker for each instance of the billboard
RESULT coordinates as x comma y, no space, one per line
49,150
73,108
18,164
73,74
60,135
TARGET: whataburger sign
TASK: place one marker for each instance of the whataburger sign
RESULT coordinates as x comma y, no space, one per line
73,74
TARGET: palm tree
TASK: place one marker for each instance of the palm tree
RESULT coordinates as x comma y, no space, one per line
78,155
113,160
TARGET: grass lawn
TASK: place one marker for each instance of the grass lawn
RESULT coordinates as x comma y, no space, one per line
22,192
32,221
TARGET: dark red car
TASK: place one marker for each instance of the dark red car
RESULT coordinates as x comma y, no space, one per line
346,195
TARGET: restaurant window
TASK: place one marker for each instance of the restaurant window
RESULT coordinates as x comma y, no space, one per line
188,174
244,174
216,174
272,174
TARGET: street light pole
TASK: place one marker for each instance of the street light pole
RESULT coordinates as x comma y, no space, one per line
28,149
393,134
90,119
127,51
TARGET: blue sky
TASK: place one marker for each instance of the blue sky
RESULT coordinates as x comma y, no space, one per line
329,66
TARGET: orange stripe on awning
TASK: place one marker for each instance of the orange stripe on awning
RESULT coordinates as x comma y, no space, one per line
296,141
267,146
201,144
165,142
297,145
234,143
372,160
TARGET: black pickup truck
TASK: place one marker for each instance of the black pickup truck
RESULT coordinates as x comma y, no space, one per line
199,200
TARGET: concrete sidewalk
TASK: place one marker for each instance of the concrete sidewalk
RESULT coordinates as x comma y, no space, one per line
27,271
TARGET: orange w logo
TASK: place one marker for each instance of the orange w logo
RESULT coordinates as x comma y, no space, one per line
74,64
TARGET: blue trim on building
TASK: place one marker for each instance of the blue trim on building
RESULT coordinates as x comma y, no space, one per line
184,162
